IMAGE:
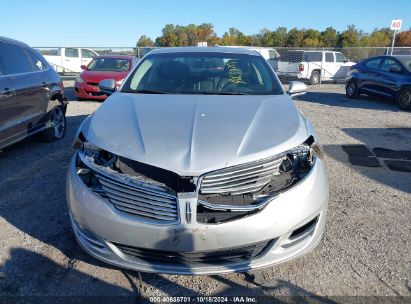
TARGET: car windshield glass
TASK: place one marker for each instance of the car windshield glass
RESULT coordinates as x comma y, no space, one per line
203,73
406,62
109,64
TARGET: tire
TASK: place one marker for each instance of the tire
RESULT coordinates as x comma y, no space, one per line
56,125
351,90
315,78
404,98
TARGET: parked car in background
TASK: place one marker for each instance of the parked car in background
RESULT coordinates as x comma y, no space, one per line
269,54
31,95
200,163
388,76
313,65
114,67
69,60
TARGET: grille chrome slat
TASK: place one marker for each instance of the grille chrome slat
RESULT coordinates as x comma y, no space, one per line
127,193
137,199
137,207
241,179
265,171
144,214
247,170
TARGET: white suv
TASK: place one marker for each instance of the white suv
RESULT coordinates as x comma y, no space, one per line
313,65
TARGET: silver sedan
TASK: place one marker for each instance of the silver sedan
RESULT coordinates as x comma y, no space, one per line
199,164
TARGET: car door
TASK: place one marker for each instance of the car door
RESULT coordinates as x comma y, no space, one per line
341,66
391,73
329,68
44,85
29,90
18,102
8,116
72,60
368,77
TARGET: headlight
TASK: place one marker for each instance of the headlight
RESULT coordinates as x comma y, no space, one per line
296,165
79,79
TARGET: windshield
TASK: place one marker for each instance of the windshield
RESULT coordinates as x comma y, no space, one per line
406,61
109,64
203,73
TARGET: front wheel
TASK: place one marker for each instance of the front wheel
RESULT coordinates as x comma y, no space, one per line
351,90
56,125
404,99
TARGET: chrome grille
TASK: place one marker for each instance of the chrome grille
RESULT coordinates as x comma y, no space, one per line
241,179
136,198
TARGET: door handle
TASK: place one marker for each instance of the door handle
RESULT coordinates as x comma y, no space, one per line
44,84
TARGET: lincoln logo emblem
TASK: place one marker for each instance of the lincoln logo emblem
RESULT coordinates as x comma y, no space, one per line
188,212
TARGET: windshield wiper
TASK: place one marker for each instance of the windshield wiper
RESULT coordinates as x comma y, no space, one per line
149,92
219,93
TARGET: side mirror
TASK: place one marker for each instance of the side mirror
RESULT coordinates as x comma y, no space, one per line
107,86
297,88
83,67
346,60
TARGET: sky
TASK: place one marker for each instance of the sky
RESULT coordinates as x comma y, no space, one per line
93,23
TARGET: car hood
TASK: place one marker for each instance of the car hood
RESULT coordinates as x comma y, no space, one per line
194,134
97,76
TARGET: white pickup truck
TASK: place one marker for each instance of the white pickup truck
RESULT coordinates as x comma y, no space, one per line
314,66
69,60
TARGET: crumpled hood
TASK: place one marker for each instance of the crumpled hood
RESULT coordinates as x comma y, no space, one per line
194,134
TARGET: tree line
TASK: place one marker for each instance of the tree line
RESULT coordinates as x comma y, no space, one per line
190,35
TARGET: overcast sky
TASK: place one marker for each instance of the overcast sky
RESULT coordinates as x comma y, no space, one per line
120,23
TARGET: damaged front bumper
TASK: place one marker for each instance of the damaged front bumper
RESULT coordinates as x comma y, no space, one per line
290,225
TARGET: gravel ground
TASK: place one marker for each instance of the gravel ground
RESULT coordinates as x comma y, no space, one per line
365,250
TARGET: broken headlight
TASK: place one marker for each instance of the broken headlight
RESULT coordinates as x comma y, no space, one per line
296,164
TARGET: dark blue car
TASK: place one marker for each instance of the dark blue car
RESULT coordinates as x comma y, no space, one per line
388,76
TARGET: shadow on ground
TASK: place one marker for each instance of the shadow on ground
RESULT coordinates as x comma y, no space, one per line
389,138
340,100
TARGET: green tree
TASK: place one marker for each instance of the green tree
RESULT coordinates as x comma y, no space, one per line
312,38
381,37
231,37
351,37
295,37
145,41
329,37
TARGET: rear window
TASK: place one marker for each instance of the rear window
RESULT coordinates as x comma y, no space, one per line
292,56
313,56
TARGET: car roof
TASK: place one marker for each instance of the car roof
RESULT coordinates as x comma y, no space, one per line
12,41
215,49
115,56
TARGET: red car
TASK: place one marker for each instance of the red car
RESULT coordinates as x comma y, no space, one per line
114,67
